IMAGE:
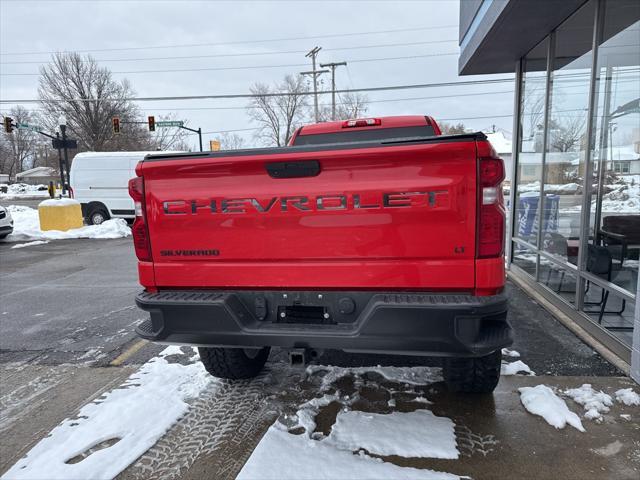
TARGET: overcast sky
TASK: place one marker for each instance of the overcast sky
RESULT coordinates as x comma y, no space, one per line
253,27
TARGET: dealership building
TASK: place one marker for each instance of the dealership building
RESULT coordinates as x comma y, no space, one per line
574,225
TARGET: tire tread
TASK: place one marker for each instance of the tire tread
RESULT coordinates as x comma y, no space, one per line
232,363
473,375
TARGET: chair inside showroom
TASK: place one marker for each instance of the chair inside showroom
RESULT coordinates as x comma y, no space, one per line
621,234
558,245
600,262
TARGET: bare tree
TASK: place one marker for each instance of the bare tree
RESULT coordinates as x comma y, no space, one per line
566,133
350,105
452,129
17,147
231,141
89,97
278,116
169,138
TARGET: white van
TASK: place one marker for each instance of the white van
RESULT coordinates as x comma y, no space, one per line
99,181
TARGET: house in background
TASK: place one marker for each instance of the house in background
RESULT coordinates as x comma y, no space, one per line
38,175
4,178
502,146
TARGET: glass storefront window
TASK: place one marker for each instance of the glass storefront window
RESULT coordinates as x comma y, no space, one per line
566,149
614,220
529,171
579,147
525,258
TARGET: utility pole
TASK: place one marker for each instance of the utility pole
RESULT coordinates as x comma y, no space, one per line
333,67
315,74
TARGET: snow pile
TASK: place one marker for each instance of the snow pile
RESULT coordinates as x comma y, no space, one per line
625,198
285,456
113,431
515,368
628,397
395,434
31,244
540,400
553,188
510,353
594,403
22,190
26,226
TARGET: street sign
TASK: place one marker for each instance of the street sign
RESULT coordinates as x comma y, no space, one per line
214,145
26,126
170,124
69,143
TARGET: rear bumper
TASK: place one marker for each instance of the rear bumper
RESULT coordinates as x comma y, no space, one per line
407,323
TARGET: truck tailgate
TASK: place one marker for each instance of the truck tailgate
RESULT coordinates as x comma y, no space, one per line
400,216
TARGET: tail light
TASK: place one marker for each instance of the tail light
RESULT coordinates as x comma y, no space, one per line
71,194
491,214
139,229
361,122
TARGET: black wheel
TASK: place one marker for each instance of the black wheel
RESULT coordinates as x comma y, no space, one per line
97,215
233,363
473,375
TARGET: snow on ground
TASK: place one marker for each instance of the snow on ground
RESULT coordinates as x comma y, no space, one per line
395,434
510,353
563,188
514,368
542,401
594,403
17,191
283,455
627,396
407,375
31,244
26,226
341,454
111,432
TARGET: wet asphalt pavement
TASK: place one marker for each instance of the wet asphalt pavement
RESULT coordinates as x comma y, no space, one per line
66,336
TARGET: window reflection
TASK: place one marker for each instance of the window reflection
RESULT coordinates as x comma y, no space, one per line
566,149
614,223
529,172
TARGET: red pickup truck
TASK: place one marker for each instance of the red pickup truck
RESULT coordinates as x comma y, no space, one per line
372,235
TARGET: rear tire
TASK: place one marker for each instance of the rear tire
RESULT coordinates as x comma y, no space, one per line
473,375
233,363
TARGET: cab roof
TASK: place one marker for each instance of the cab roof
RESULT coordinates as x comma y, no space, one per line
385,122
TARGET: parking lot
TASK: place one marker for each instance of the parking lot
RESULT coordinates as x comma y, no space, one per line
67,339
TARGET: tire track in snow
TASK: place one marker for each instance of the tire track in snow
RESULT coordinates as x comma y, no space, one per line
222,424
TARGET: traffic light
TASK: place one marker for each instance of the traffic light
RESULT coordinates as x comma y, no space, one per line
116,125
8,124
152,123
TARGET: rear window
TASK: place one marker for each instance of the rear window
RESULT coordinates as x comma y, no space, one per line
365,135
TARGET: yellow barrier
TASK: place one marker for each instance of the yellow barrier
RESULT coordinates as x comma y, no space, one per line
63,214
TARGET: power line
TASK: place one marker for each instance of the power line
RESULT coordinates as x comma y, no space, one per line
249,107
243,54
240,42
275,94
251,67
